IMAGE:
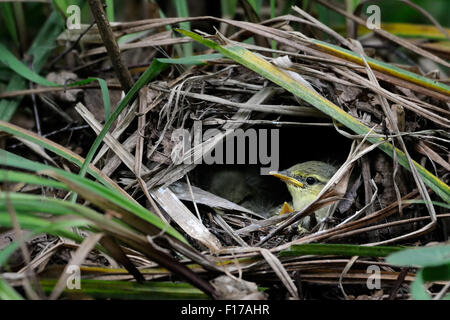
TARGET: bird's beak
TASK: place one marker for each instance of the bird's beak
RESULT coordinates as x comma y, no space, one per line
286,179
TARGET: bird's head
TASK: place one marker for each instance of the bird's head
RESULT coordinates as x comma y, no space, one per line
305,180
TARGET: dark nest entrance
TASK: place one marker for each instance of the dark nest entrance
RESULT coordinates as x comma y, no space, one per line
248,184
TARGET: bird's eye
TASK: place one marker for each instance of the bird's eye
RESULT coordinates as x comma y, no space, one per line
310,180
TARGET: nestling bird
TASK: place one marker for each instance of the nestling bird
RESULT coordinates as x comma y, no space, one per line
304,181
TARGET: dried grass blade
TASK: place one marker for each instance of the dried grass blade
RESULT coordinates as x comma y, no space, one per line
185,218
79,256
280,271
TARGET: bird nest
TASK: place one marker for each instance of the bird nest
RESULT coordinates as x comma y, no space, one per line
190,119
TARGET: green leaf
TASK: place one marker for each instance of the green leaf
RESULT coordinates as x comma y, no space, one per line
338,249
428,274
417,288
437,273
92,189
421,257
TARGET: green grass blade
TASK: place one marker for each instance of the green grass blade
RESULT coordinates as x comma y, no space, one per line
273,4
7,58
31,203
8,158
45,41
256,5
9,106
61,5
274,74
99,194
40,50
417,288
12,160
28,204
95,192
192,60
152,71
384,67
110,289
339,249
105,97
110,10
7,292
38,226
124,233
408,30
182,11
8,17
16,176
228,8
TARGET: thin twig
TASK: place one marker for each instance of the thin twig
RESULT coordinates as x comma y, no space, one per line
122,73
398,283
